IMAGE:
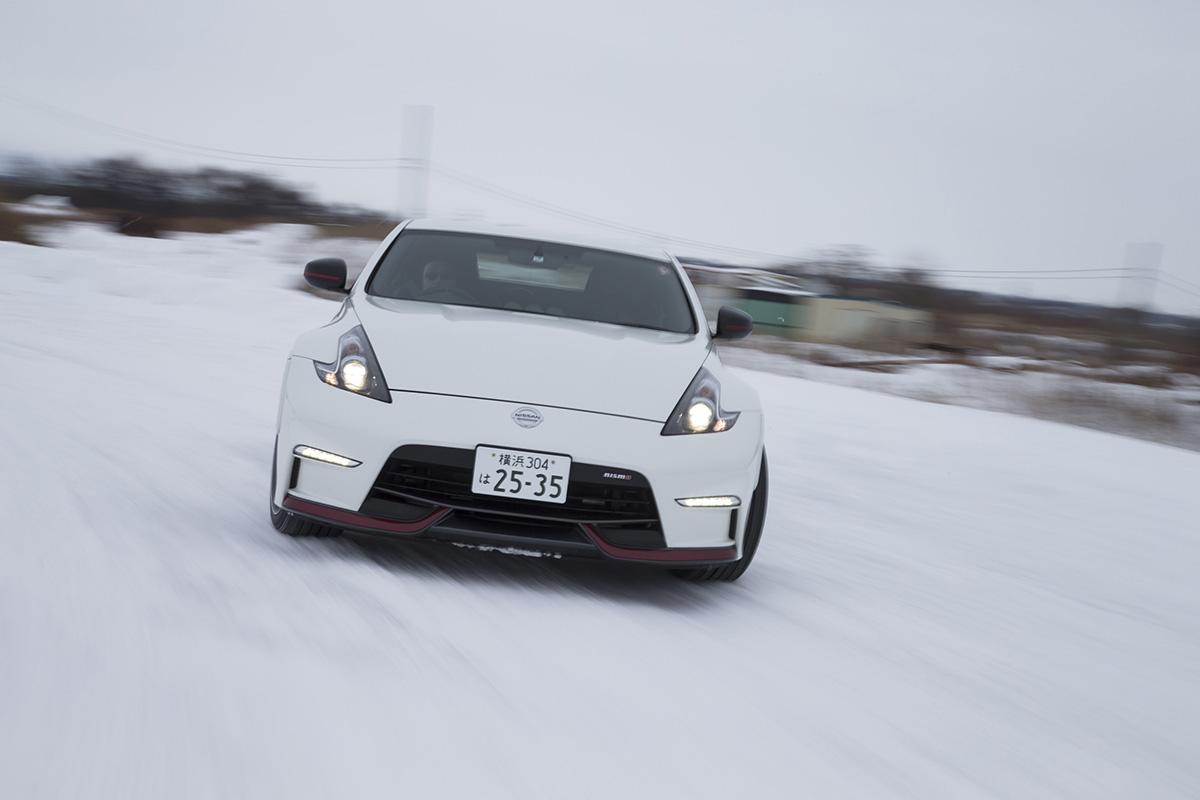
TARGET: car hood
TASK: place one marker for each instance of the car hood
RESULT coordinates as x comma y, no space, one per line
530,359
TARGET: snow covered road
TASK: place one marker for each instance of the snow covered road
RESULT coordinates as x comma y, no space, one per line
947,602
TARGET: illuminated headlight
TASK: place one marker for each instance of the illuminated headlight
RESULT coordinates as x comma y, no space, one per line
304,451
354,375
699,410
355,369
699,417
719,501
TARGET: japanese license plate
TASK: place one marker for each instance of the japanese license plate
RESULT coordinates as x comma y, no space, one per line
521,474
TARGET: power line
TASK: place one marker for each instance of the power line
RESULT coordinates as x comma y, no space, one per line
1033,276
1018,271
479,184
308,162
1181,279
579,216
1177,287
263,159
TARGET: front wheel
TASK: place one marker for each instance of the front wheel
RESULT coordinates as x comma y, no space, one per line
754,526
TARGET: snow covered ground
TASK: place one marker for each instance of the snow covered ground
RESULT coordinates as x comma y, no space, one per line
1055,391
947,603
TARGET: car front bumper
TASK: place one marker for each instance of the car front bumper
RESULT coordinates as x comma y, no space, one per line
370,432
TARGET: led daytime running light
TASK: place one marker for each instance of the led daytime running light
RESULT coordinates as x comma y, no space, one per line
719,501
304,451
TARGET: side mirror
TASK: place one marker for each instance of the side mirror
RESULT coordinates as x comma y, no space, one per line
327,273
733,323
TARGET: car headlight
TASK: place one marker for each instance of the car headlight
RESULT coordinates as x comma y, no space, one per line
355,369
699,410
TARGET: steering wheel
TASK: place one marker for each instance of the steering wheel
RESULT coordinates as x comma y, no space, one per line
448,294
519,297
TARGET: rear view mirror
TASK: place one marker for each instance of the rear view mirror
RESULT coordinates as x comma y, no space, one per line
733,323
326,273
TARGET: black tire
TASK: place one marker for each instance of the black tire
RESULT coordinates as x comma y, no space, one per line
757,515
288,523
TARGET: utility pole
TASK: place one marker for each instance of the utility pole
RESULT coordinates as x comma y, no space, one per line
416,147
1142,262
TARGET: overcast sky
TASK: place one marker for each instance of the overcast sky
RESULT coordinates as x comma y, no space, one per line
957,134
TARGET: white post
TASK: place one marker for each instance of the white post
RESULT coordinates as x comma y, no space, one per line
1142,260
416,147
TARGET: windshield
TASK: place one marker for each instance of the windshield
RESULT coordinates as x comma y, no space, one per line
558,280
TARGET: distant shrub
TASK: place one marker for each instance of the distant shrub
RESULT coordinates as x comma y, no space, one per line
131,188
14,226
138,225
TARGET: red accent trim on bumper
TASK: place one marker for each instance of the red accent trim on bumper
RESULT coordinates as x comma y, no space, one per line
341,515
364,522
672,554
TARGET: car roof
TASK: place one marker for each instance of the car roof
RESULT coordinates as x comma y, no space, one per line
631,245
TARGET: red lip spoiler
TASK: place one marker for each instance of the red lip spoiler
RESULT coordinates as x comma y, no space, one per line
362,520
674,554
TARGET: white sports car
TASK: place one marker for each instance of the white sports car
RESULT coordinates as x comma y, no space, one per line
527,394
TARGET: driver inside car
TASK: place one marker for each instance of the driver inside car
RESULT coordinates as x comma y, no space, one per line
444,280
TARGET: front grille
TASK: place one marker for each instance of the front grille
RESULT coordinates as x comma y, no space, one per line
442,476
